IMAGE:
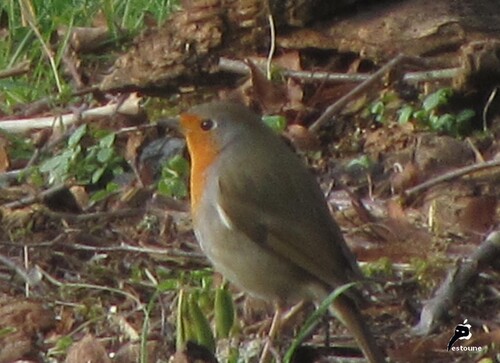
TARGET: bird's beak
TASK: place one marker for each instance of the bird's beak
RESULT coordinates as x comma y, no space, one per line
185,123
172,123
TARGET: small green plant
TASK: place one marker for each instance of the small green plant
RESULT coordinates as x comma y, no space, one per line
86,165
381,267
427,114
61,347
275,122
364,162
173,178
20,148
425,271
198,308
381,108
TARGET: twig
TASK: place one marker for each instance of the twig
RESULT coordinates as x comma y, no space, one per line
486,108
130,107
240,67
35,198
59,284
455,283
18,70
12,175
27,277
147,250
449,176
120,213
357,91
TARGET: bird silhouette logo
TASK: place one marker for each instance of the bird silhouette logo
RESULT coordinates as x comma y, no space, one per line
462,331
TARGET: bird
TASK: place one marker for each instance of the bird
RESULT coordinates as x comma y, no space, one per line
261,218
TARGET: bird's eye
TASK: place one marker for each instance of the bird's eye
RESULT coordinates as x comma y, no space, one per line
207,125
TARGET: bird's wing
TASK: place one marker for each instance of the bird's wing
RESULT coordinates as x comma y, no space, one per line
289,218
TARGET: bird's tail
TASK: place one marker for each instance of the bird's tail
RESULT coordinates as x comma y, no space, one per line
346,311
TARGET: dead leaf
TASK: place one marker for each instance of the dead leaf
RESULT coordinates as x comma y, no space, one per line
27,319
408,177
295,94
269,95
134,141
87,350
301,138
479,215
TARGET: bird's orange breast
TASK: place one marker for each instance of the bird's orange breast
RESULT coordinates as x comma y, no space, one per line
203,150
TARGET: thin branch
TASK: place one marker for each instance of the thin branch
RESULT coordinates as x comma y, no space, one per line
449,176
35,198
59,284
457,280
240,67
18,70
356,92
129,107
29,278
147,250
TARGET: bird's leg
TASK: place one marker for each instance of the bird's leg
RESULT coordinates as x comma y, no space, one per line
292,312
265,356
280,318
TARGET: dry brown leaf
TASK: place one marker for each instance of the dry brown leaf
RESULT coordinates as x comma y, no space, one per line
87,350
301,138
406,178
269,95
134,141
479,215
27,318
295,94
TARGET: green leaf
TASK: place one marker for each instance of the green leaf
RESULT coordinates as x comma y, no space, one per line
275,122
444,123
105,154
167,285
172,187
182,335
436,99
99,195
405,114
97,174
77,135
112,187
200,325
377,108
118,170
363,161
422,116
465,116
224,312
102,194
179,165
107,141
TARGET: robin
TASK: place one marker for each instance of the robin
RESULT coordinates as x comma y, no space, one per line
261,218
